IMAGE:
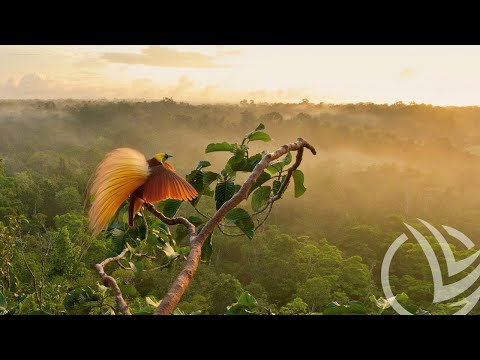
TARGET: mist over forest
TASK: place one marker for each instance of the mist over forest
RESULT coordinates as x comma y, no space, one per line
377,167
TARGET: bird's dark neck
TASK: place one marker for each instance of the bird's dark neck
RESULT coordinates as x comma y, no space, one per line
153,162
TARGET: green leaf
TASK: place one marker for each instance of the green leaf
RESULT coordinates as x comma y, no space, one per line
171,206
245,305
220,147
276,186
260,135
252,161
277,166
260,127
201,180
298,178
209,177
207,249
119,239
203,164
164,234
247,300
238,162
260,197
139,265
128,290
262,178
242,219
224,191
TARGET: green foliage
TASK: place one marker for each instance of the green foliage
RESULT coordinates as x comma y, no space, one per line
170,207
259,135
220,147
50,154
262,178
245,305
242,219
68,199
352,308
278,165
298,179
260,197
294,307
224,191
316,292
226,290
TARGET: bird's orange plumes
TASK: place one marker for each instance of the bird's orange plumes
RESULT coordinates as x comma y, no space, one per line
118,175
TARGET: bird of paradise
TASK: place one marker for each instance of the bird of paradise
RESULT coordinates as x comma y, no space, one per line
126,173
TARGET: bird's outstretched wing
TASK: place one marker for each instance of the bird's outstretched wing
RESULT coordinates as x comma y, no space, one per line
164,183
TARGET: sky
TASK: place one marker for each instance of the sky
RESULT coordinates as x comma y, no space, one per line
438,75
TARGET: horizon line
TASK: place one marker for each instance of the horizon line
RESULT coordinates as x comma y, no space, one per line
263,103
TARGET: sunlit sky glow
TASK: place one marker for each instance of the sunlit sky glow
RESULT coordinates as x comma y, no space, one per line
439,75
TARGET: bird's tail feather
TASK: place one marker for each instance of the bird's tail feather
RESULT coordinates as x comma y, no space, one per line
120,173
136,204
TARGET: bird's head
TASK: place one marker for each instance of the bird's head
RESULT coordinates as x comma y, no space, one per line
162,157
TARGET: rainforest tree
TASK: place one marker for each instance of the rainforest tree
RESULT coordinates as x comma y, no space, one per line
268,177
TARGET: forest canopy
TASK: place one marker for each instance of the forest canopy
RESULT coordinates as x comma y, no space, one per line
377,167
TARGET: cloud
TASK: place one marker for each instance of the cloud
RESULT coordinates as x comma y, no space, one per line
407,73
185,89
30,85
156,55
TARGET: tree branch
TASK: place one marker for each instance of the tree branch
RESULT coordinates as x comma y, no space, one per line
173,221
112,283
181,283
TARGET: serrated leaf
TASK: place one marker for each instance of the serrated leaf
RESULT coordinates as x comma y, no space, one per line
259,135
260,197
203,164
242,219
119,239
209,177
262,178
171,206
224,192
220,147
298,179
201,180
